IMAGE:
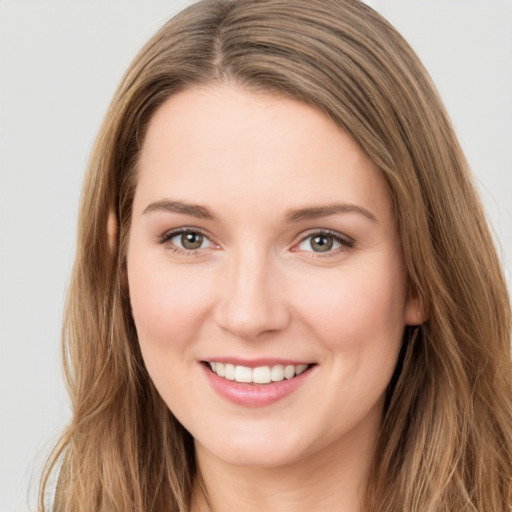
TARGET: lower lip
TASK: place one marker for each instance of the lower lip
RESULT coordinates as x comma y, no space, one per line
254,395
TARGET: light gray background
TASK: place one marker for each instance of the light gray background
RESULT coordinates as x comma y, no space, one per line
60,62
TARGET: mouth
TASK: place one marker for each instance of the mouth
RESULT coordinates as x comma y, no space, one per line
257,375
256,383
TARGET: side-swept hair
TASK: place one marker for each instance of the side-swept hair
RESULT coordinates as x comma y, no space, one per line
446,439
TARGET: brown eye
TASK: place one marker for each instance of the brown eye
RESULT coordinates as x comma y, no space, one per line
322,243
191,240
186,240
325,242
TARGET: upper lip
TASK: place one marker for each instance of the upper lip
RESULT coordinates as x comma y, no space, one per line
255,363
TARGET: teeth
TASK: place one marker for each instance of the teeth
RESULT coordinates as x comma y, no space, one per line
243,374
301,368
277,372
289,371
229,371
259,375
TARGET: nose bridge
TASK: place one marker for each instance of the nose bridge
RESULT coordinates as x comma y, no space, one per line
251,302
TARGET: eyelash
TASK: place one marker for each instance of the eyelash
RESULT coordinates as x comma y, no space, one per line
169,235
345,242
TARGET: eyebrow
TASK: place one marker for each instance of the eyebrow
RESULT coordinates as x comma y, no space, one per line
291,216
195,210
317,212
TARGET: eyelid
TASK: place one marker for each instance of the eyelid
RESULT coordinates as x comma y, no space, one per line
345,241
171,233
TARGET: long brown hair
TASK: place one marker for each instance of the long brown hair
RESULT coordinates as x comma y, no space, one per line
446,437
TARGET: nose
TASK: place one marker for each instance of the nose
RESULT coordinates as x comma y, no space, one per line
252,299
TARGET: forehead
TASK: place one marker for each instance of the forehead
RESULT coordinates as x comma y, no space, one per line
223,142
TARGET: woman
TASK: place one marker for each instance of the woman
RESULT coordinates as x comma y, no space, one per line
285,294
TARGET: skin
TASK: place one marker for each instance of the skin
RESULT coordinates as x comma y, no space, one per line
257,287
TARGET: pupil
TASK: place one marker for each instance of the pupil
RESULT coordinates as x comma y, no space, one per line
191,240
321,243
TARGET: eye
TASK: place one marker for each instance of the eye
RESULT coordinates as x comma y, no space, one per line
323,241
186,240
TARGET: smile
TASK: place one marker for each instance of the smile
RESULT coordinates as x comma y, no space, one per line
256,384
258,375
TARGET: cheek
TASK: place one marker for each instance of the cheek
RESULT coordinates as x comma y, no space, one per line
359,321
168,304
356,307
169,309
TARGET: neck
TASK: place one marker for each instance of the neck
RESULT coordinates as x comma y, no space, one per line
333,479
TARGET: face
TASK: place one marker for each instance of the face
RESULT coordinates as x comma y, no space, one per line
265,275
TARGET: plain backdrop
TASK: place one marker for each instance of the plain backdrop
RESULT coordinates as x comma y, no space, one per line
60,62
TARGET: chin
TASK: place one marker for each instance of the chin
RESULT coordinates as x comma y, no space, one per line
252,455
259,447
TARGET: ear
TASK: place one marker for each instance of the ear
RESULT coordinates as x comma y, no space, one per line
415,311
